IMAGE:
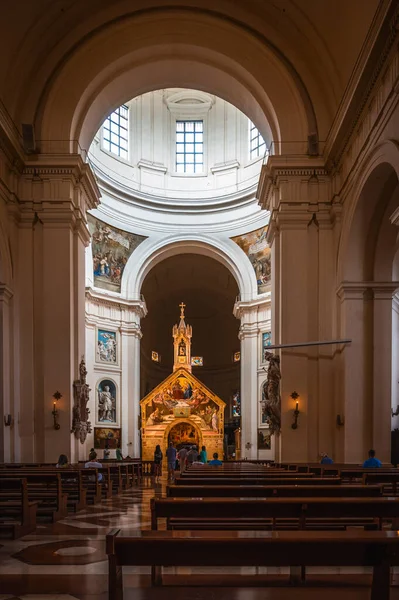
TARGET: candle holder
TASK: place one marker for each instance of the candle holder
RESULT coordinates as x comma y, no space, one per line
295,397
57,396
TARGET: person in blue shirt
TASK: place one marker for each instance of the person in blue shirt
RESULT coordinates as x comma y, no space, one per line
215,462
326,460
372,461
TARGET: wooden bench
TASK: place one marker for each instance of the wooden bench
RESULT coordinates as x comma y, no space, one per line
264,491
269,513
379,550
235,481
45,488
17,513
389,481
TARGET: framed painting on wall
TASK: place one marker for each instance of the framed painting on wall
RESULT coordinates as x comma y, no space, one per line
102,435
264,439
266,342
107,346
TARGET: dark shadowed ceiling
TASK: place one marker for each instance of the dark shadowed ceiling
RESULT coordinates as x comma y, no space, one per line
209,291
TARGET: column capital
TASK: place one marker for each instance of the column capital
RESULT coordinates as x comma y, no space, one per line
292,179
357,290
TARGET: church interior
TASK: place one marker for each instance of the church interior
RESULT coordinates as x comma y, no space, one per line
199,299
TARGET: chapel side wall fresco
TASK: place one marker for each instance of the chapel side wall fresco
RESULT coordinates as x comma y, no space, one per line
111,249
182,410
255,246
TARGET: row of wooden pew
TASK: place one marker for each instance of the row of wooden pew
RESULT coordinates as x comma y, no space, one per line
242,514
31,492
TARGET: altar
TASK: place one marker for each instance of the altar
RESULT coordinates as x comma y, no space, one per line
181,409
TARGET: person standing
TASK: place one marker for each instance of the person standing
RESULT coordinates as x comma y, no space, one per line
203,456
171,458
118,452
192,455
158,456
182,457
372,461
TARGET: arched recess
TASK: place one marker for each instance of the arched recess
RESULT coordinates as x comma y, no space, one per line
172,48
226,252
367,288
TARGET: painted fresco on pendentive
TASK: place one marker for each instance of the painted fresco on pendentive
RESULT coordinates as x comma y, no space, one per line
255,246
179,399
102,435
111,248
106,402
106,346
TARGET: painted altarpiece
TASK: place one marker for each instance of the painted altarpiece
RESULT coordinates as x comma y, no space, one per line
183,410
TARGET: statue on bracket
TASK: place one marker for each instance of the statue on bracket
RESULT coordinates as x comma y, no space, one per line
81,425
271,399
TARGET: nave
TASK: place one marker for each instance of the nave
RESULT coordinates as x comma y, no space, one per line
67,559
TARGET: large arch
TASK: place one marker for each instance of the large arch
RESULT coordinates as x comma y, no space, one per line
165,48
226,252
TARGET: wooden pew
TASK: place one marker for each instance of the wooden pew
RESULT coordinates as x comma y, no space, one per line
256,481
254,513
158,549
265,491
389,481
17,513
46,488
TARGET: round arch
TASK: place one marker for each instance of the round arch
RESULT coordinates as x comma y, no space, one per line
226,252
176,422
380,164
172,48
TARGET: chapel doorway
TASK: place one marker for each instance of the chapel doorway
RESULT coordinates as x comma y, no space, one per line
183,434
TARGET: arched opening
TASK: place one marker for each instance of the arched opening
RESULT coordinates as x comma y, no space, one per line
209,291
370,310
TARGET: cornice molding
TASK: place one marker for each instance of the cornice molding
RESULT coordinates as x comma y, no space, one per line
137,306
379,44
251,307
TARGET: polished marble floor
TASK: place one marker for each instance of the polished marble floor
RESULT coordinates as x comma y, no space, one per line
67,560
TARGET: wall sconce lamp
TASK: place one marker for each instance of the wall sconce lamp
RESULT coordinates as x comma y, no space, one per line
395,413
56,396
248,445
7,420
295,397
340,421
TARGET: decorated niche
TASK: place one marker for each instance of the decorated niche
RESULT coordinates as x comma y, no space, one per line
255,246
111,249
81,425
106,402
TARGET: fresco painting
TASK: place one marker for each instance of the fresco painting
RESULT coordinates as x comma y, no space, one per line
255,246
111,248
179,399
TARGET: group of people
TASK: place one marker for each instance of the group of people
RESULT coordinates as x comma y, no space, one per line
371,462
187,455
